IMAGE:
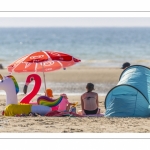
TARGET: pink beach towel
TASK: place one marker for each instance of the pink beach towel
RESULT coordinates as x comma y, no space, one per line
62,114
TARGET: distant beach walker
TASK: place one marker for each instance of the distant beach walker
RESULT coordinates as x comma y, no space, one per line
1,66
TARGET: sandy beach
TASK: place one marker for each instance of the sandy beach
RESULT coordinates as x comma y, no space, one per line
75,74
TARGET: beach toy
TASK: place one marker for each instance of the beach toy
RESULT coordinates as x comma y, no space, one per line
37,85
131,96
15,83
75,104
46,101
10,86
25,109
49,92
1,77
17,109
73,107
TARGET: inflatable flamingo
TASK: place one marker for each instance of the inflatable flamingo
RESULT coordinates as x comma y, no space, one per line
10,86
35,89
42,100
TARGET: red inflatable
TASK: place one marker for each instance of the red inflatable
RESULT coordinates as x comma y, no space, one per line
35,89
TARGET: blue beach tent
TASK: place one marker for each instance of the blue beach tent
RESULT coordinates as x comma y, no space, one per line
131,96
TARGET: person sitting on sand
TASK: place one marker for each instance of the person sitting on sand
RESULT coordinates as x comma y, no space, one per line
49,93
64,105
89,101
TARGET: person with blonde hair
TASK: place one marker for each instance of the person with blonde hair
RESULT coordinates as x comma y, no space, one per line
64,105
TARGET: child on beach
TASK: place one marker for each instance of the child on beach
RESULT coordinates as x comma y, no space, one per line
49,93
89,101
64,105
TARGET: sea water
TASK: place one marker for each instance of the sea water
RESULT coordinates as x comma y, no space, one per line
96,47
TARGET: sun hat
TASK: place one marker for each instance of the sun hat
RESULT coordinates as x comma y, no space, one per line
126,64
90,86
49,92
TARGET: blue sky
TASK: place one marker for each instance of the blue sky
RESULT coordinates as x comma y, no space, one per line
74,21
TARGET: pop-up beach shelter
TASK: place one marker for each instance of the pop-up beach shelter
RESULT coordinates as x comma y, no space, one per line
131,96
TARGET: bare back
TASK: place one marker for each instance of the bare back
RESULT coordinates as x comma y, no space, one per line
90,100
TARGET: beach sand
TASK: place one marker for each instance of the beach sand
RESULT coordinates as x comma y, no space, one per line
42,124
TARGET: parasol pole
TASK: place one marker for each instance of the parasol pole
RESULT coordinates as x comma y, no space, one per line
44,78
